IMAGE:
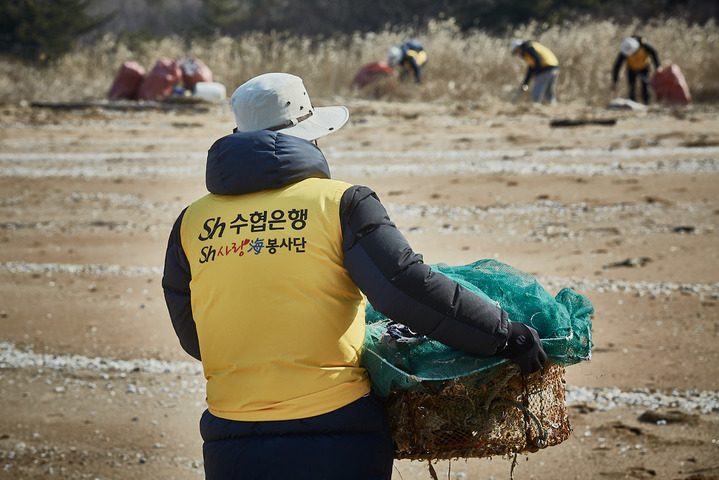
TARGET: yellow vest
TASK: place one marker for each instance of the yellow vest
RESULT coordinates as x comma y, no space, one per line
546,57
279,321
419,57
639,60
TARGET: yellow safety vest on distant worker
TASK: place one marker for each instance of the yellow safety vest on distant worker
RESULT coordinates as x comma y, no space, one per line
639,60
280,323
419,57
546,57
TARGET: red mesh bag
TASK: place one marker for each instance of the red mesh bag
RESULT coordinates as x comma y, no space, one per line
127,82
670,87
161,81
370,73
193,72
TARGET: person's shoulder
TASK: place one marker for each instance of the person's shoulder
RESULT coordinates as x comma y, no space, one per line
415,45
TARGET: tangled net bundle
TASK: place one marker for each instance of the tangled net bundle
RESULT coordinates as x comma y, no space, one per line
445,403
510,414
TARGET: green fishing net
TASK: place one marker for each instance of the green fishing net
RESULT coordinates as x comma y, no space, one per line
420,363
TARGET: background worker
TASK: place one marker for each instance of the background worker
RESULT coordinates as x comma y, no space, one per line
264,281
542,65
410,56
638,54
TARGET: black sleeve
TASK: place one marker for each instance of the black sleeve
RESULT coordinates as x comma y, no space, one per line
617,65
416,69
652,53
528,77
402,287
176,286
531,71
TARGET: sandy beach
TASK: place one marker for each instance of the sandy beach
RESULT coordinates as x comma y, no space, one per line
620,205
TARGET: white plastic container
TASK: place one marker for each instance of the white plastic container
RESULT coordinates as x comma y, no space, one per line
210,91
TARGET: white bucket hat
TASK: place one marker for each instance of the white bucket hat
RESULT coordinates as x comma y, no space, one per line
394,56
629,46
279,102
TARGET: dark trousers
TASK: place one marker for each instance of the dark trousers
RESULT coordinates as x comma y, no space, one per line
643,76
351,443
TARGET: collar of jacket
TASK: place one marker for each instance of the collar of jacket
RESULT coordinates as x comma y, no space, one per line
252,161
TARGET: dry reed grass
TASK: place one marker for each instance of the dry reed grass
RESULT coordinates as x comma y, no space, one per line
463,67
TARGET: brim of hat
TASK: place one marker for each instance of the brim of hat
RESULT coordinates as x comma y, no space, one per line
629,51
324,120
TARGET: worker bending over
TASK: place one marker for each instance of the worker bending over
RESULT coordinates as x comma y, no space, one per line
638,54
410,56
542,65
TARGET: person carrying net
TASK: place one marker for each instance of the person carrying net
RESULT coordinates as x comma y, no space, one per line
265,279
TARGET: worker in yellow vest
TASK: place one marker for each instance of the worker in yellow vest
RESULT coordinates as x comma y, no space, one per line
639,55
543,66
265,281
410,57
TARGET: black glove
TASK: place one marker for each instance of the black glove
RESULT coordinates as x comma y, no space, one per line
524,348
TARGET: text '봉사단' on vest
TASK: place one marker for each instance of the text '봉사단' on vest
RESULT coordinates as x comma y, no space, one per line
256,232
